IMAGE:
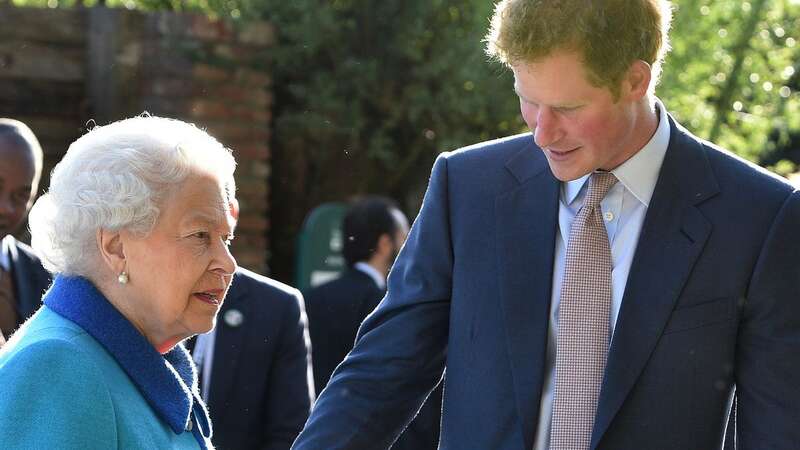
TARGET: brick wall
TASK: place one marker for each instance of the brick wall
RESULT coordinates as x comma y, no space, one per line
61,68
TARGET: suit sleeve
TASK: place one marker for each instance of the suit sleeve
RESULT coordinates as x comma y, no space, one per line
400,349
291,387
767,366
53,396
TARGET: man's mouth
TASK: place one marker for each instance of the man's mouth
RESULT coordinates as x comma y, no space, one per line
560,154
212,297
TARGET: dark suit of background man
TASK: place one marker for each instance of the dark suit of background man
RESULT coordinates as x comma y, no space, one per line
22,278
254,365
374,229
703,246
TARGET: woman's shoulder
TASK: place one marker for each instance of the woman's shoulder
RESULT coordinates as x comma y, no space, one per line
46,325
50,347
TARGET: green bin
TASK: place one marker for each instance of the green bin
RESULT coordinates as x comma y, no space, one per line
319,252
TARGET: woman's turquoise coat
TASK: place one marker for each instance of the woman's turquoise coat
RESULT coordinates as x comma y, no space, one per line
61,388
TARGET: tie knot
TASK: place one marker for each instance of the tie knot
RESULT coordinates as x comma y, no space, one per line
599,185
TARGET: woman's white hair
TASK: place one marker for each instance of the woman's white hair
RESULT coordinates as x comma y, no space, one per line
116,177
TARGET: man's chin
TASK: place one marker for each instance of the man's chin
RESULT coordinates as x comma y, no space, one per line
566,175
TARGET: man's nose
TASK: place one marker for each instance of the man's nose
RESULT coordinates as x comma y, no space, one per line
6,204
547,131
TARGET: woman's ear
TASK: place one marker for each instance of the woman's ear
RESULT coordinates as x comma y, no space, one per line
112,250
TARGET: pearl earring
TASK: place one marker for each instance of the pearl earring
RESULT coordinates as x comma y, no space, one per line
123,278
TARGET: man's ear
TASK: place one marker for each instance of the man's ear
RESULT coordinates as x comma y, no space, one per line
385,245
637,80
112,250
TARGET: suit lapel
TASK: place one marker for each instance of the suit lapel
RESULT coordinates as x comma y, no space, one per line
229,344
672,237
526,219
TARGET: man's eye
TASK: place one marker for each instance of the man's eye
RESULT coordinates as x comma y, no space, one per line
21,198
203,235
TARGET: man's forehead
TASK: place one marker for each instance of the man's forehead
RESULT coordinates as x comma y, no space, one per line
13,145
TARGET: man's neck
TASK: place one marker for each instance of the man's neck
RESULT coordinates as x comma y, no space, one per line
373,272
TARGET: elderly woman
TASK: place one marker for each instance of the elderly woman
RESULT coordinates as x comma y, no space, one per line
136,227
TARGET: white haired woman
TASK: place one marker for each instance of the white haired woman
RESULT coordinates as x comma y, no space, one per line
136,227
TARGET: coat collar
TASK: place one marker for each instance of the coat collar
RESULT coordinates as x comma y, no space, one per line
6,245
168,382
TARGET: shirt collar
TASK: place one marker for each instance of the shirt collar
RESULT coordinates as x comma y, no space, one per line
372,272
167,382
5,257
639,173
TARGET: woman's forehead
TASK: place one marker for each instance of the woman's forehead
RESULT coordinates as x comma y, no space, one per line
200,200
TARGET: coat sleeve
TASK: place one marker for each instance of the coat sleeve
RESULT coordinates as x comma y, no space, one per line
767,362
53,396
290,388
400,349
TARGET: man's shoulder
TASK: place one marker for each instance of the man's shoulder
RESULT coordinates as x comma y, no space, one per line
490,167
352,284
734,172
349,279
497,151
22,251
247,282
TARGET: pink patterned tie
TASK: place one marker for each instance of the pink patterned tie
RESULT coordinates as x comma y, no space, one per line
583,322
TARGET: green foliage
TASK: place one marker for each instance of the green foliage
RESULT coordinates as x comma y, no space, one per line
732,75
398,81
369,91
394,82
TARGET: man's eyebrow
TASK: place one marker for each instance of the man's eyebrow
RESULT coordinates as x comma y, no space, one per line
516,91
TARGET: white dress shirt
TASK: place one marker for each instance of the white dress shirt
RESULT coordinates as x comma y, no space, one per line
5,260
624,209
203,356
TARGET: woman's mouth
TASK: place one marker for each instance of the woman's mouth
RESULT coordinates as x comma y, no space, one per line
211,297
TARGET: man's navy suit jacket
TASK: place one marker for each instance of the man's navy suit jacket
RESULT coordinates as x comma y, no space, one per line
712,302
30,279
261,387
335,311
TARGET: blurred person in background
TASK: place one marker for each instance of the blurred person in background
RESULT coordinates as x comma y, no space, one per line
254,366
374,230
23,280
135,227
